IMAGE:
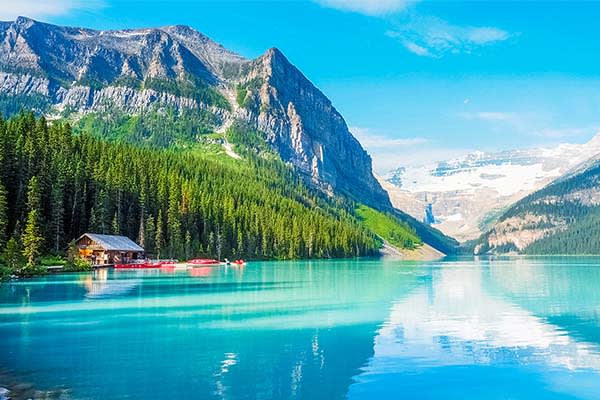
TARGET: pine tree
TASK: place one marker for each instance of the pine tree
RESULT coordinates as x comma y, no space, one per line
57,215
211,246
116,229
142,232
159,242
34,198
32,239
12,255
188,245
3,215
150,235
174,225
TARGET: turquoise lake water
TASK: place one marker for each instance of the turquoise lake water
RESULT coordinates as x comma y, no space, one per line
467,329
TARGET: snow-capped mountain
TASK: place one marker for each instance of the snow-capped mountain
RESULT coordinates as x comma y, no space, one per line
467,193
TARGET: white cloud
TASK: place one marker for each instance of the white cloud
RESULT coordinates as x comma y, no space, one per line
372,140
11,9
367,7
491,116
432,37
425,36
558,133
524,122
528,123
386,161
418,50
388,153
485,35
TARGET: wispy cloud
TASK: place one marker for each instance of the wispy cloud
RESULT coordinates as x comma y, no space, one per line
367,7
528,123
388,152
416,49
524,122
10,9
492,116
370,139
423,35
433,37
559,133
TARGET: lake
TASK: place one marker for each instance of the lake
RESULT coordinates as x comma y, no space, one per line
510,328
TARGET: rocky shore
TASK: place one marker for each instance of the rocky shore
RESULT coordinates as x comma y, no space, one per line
12,388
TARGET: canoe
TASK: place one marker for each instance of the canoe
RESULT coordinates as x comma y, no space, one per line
202,262
145,264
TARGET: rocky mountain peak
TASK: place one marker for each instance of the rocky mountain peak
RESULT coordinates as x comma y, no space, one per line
132,70
307,128
24,21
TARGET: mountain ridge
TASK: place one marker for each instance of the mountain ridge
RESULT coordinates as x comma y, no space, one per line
561,218
62,71
469,193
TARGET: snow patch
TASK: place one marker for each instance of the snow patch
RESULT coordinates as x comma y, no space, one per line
230,152
507,172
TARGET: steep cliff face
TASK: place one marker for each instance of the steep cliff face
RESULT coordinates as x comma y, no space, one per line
73,71
305,127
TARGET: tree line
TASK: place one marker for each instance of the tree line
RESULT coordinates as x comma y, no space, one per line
55,185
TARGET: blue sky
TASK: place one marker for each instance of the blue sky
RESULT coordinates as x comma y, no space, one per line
415,80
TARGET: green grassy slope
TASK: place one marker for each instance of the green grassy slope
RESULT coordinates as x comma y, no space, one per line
386,226
432,236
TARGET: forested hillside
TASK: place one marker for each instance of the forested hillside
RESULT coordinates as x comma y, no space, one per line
55,185
562,218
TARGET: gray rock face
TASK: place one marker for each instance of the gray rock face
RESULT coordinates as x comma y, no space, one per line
84,70
306,128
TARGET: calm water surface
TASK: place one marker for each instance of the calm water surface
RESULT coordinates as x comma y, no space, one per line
503,329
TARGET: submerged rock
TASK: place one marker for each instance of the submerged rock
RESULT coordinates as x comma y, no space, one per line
14,388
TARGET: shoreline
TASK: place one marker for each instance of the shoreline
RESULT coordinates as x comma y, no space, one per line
422,253
13,388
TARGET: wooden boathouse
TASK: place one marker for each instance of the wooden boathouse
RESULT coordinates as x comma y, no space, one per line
108,249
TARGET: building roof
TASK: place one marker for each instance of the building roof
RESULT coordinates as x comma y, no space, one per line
114,242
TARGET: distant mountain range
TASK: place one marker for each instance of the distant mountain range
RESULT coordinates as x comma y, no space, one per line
468,194
561,218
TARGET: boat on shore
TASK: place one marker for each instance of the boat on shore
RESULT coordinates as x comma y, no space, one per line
210,262
204,262
172,264
146,264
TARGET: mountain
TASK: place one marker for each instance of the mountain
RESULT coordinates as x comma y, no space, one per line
74,72
469,193
561,218
173,90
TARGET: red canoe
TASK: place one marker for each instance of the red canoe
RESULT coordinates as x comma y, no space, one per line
145,264
203,262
